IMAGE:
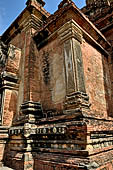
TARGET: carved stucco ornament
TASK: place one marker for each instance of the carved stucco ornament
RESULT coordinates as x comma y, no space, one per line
3,53
100,2
11,51
46,69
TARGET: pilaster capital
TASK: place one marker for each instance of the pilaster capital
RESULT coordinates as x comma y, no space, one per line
78,101
70,30
31,107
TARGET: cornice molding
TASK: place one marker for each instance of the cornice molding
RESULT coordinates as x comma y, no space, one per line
70,30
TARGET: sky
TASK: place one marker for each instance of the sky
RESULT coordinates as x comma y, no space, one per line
10,9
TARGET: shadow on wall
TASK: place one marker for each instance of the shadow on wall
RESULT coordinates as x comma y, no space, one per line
107,86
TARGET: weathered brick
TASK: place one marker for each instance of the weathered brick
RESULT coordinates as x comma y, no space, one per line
57,89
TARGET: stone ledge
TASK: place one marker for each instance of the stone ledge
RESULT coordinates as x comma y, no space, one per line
5,168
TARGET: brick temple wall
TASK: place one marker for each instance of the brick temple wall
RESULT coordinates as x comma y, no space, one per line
98,82
54,127
49,92
53,87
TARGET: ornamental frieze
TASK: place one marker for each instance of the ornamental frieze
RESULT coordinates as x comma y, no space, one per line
27,131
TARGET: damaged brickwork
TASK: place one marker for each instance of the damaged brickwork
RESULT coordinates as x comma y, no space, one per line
56,94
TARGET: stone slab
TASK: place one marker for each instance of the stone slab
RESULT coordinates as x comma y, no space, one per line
5,168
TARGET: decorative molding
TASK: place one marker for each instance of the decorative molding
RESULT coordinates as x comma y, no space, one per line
99,9
11,51
31,107
31,22
31,129
16,130
98,3
64,3
35,3
3,53
71,36
8,80
77,100
70,30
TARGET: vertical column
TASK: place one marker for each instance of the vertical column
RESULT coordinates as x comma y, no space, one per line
71,36
69,67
